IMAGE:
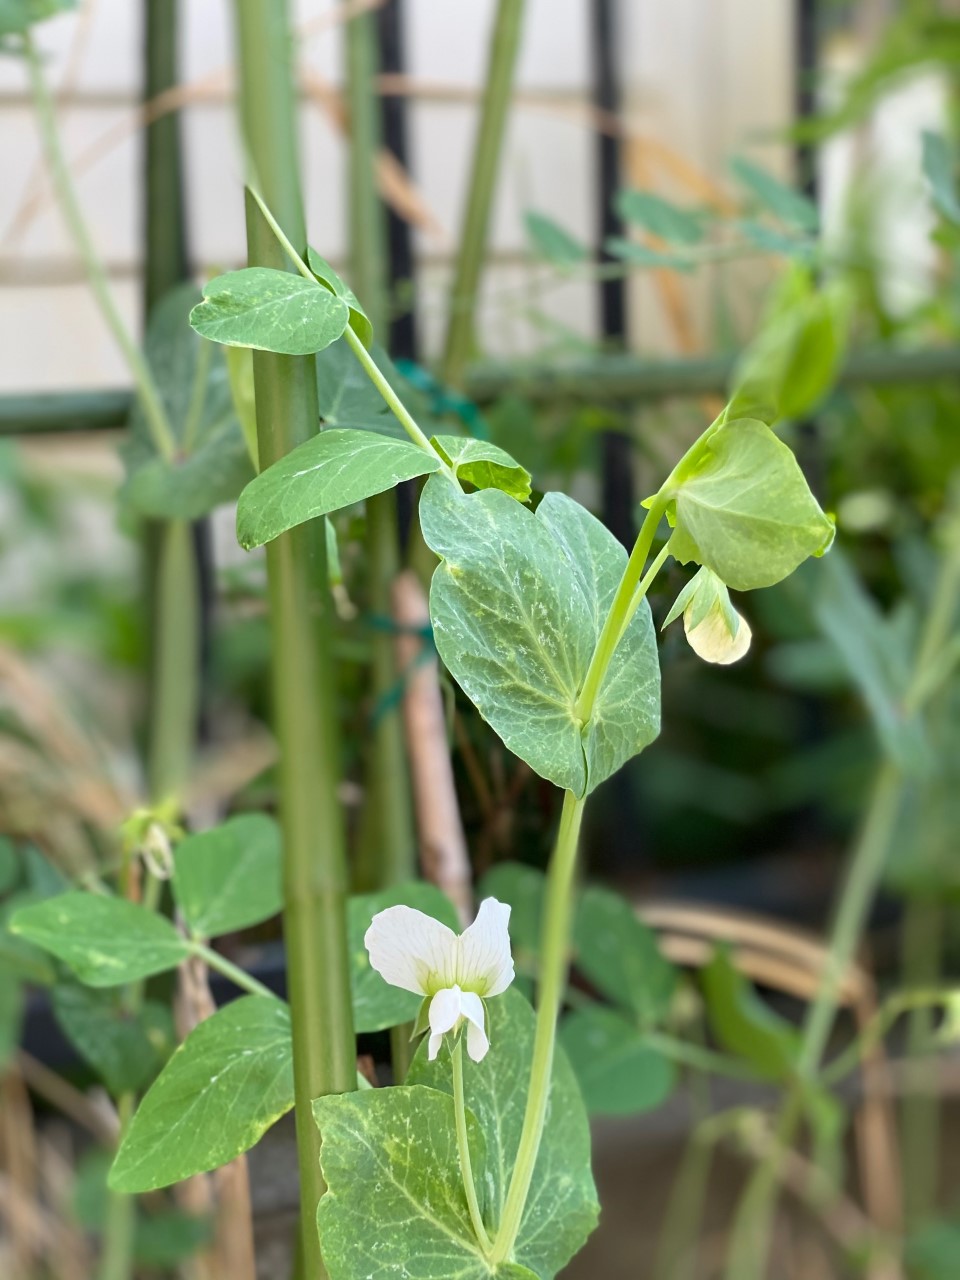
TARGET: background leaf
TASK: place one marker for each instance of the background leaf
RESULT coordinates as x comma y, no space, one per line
660,217
126,1050
212,463
230,1080
619,1073
106,941
552,242
270,310
620,956
229,877
743,1024
331,470
783,202
940,168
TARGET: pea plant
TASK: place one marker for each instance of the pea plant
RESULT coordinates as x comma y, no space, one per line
478,1167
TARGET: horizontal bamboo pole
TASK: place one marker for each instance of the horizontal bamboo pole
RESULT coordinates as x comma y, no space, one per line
602,378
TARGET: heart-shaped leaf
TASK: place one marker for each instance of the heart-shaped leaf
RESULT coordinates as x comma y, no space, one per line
270,310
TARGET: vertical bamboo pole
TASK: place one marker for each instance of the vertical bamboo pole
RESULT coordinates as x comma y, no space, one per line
388,852
304,708
504,46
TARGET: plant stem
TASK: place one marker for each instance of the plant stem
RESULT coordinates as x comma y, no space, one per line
625,603
504,46
315,881
558,912
175,676
463,1147
156,416
921,942
120,1223
214,960
394,403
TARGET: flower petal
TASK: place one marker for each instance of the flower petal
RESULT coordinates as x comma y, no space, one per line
445,1009
486,965
471,1007
711,640
412,950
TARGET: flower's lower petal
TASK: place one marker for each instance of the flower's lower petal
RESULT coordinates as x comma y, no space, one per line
485,962
411,950
433,1047
445,1008
471,1007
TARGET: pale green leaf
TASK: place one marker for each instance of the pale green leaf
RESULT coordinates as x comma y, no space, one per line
17,16
552,242
562,1208
346,396
620,956
331,470
229,877
104,940
484,465
660,217
394,1203
360,322
619,1072
743,1024
517,605
641,255
782,201
745,510
230,1080
270,310
939,165
212,463
376,1004
126,1050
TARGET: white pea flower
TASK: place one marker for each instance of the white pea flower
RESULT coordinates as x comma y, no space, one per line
454,973
714,629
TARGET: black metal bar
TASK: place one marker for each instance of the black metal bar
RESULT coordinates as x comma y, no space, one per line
603,379
617,473
165,259
400,264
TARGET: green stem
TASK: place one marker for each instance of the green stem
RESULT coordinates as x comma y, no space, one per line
853,1055
625,603
922,939
175,677
463,1147
558,911
156,416
393,401
504,46
214,960
315,879
116,1262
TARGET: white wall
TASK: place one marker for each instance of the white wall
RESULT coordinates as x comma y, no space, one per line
702,76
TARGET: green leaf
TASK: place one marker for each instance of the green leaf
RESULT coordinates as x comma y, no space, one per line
743,1024
389,1157
517,605
641,255
773,241
19,958
360,322
619,1073
877,654
106,941
17,16
230,1080
376,1004
484,465
940,169
562,1209
333,469
552,242
932,1250
230,877
163,1240
9,865
126,1050
743,508
660,217
270,311
620,956
795,359
346,396
783,202
212,463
